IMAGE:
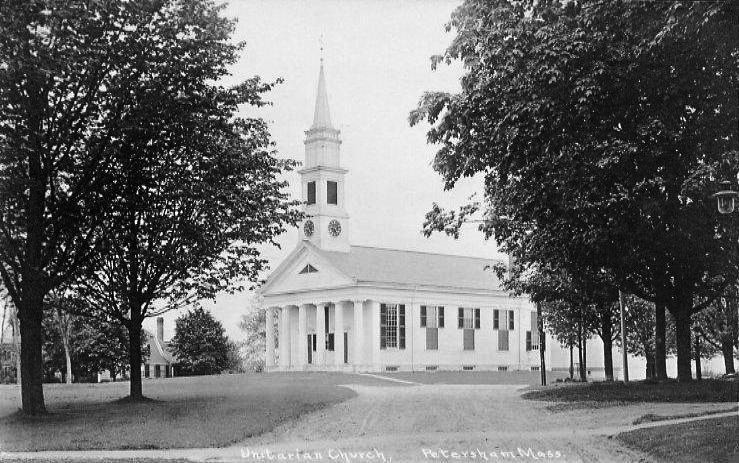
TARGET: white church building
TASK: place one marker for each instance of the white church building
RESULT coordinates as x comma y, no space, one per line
355,308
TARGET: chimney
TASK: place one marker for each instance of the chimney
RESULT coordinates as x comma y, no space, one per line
160,329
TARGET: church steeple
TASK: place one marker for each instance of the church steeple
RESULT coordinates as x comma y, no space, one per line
327,225
321,115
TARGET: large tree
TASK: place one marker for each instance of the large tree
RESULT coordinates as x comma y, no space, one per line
200,344
199,188
69,72
601,129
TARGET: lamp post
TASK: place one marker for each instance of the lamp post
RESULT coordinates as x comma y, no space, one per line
726,198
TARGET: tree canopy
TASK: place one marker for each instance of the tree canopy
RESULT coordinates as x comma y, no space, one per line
601,130
200,344
123,164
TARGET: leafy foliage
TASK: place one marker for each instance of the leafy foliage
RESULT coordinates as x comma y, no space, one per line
718,327
94,346
253,324
200,344
124,167
199,187
601,129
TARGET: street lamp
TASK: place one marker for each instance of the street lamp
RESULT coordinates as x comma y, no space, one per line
726,198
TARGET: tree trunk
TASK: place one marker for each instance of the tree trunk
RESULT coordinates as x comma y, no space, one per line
17,346
33,278
68,358
580,357
698,374
32,371
660,344
585,357
651,373
727,349
681,314
134,356
607,337
572,366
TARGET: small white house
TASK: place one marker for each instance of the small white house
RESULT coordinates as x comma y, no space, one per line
160,362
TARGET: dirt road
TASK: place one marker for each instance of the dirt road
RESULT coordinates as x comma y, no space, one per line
441,422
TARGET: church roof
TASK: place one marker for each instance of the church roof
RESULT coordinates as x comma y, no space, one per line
321,115
395,266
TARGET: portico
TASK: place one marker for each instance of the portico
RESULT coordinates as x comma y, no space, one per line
328,333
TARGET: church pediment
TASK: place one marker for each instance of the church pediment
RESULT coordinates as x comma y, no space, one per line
304,269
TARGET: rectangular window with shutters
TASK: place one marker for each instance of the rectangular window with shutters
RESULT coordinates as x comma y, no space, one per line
496,319
392,326
469,318
432,318
469,321
332,192
311,192
511,324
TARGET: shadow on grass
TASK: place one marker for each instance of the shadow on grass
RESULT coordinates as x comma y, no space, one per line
138,400
592,395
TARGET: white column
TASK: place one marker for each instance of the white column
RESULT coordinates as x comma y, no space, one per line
358,354
375,330
320,333
339,334
283,331
302,360
269,358
410,335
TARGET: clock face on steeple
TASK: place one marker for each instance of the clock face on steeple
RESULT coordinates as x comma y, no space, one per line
308,228
334,227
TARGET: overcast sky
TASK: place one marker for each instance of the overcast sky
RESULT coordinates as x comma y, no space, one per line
376,58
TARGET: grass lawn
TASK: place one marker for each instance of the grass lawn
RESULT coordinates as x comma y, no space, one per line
207,411
601,393
713,440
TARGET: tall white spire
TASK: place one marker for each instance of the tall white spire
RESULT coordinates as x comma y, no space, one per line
321,115
323,178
